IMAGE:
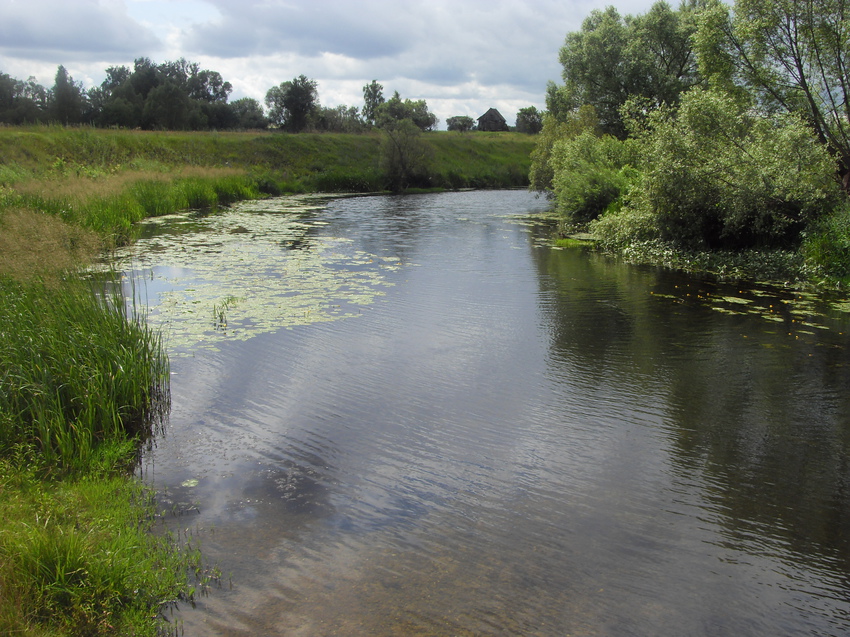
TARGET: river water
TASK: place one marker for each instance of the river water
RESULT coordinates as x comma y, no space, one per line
412,416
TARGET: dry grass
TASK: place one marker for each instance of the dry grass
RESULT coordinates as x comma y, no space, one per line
84,189
35,245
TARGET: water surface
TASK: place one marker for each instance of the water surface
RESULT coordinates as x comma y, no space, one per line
415,417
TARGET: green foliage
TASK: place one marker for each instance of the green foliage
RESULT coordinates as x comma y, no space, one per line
613,58
718,175
291,104
460,123
621,228
67,101
77,556
340,119
590,173
556,128
373,97
405,156
77,371
395,110
529,120
249,114
827,247
21,102
791,55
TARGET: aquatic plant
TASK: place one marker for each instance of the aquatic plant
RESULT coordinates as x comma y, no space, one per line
198,267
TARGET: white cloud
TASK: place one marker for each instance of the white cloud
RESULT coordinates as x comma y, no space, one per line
82,30
462,56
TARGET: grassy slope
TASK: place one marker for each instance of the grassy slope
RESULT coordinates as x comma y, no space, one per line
29,151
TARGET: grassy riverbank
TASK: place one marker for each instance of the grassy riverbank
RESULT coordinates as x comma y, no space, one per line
82,385
106,180
83,381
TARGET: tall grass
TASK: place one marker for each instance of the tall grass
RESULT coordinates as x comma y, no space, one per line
111,205
75,370
77,557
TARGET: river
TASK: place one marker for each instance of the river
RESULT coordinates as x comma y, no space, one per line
413,416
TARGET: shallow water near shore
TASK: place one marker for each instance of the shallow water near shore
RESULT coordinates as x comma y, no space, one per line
411,415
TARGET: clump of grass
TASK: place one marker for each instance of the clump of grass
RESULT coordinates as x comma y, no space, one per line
77,371
574,242
36,245
77,557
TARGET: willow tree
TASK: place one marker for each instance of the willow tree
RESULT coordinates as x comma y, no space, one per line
615,57
792,54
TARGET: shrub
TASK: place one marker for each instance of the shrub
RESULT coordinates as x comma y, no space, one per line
827,248
590,173
719,175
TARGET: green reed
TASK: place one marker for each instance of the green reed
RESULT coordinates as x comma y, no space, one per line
76,370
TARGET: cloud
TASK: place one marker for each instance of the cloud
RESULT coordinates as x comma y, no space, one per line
442,42
462,56
360,30
87,29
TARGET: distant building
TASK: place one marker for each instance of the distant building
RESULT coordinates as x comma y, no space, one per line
492,120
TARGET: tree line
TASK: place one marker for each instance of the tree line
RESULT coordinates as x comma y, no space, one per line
180,95
707,126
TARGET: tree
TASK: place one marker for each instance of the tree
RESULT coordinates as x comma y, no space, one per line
395,110
169,108
249,113
529,120
373,97
793,55
66,99
404,154
613,58
460,123
21,102
340,119
291,103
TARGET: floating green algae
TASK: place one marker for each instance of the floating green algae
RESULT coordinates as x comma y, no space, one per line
254,268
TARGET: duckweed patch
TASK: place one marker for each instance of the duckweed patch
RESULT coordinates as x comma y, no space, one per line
254,268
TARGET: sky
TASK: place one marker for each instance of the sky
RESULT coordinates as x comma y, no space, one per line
461,56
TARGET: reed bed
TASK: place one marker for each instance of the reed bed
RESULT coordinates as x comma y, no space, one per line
76,369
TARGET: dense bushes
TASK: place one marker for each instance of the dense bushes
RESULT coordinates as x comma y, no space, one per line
718,175
712,174
590,172
734,124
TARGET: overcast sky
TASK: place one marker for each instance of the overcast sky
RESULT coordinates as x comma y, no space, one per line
462,56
